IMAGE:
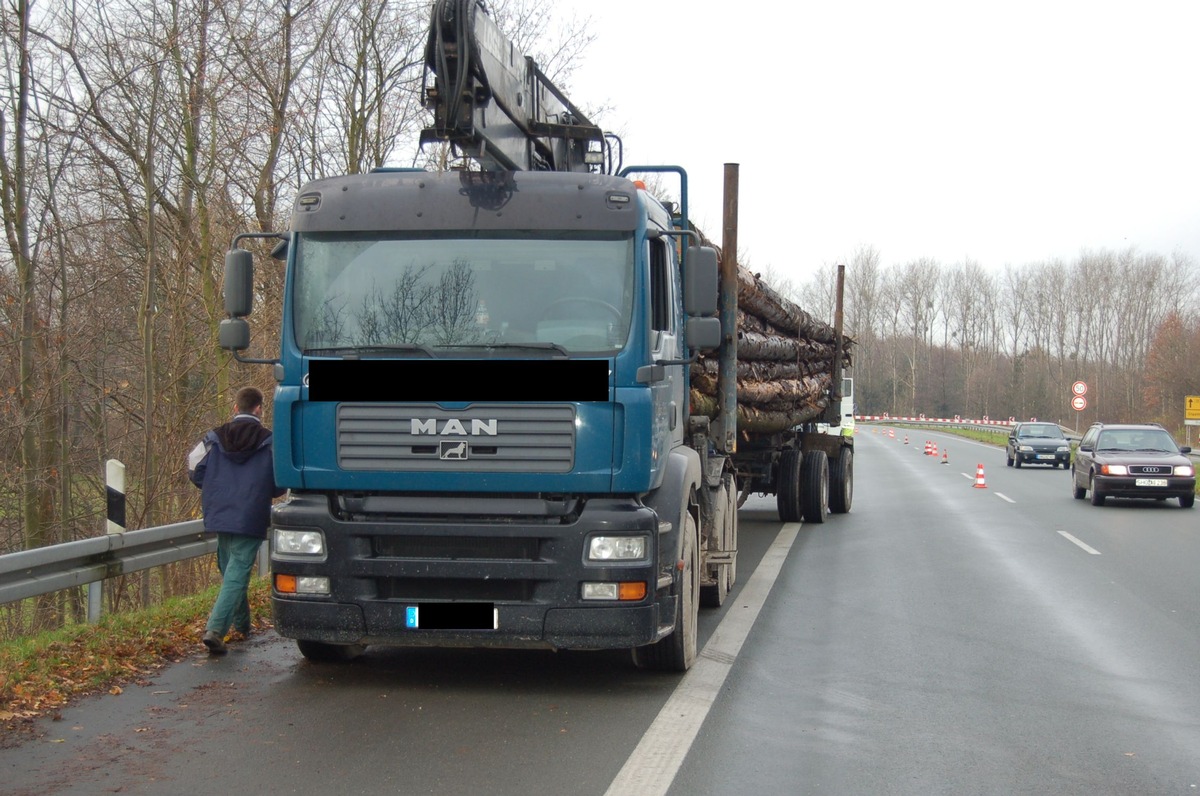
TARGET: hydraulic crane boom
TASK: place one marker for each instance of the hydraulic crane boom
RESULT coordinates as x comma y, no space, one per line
493,103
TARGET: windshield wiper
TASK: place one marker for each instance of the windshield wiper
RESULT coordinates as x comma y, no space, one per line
356,350
538,346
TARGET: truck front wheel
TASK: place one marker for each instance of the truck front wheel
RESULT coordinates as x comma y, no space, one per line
677,652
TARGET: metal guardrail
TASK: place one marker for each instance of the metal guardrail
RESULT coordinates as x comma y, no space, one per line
995,426
43,570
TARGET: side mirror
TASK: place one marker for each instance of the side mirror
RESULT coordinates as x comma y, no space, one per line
703,334
700,281
239,283
233,334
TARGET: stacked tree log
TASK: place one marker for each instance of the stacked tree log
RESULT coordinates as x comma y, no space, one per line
784,362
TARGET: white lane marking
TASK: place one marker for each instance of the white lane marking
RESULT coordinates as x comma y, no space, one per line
1003,496
1086,548
652,767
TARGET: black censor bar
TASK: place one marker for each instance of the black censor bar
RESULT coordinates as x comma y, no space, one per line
457,380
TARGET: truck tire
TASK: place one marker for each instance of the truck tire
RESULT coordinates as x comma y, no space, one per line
724,531
841,482
733,527
320,652
677,652
787,486
814,487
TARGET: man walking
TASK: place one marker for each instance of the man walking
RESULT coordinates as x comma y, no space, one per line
233,467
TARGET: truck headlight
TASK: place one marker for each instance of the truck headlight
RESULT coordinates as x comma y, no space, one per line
298,543
616,548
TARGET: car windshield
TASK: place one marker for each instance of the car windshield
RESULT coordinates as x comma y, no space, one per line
1147,440
555,293
1040,430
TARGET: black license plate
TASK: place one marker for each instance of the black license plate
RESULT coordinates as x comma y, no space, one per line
452,616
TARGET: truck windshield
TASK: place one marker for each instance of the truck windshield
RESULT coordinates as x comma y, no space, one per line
547,293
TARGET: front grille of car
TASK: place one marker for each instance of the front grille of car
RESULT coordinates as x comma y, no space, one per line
1151,469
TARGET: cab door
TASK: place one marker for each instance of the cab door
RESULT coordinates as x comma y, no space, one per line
669,394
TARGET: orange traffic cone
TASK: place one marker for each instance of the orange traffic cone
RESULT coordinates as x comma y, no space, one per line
945,457
979,480
928,449
892,433
905,439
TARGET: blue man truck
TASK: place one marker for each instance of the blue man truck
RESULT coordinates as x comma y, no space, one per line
482,412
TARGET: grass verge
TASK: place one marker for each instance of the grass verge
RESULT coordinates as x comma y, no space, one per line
41,674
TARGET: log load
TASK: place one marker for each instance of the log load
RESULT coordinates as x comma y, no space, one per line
784,362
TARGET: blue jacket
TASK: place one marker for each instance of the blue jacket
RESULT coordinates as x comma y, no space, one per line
236,478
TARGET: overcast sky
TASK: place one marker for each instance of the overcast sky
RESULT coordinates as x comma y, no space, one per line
1007,132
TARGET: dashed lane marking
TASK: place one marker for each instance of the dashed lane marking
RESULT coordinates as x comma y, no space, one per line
1085,547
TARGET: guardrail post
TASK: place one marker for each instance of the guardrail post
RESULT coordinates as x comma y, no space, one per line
114,488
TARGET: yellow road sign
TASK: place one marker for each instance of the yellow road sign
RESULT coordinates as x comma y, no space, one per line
1192,411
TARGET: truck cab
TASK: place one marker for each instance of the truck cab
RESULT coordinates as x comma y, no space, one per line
481,415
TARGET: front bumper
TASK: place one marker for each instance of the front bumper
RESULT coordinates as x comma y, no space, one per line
1052,458
1127,487
529,569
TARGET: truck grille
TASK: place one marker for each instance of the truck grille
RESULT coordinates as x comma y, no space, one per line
492,438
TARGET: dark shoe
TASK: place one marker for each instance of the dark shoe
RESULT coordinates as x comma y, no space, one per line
214,642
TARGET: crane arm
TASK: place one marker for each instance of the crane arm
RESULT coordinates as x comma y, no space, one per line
493,103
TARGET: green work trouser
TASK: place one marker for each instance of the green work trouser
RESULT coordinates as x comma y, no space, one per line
236,555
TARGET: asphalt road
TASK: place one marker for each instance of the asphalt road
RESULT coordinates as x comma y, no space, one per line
940,638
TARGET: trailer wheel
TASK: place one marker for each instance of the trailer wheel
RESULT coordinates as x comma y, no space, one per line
724,530
841,482
677,652
814,489
320,652
787,486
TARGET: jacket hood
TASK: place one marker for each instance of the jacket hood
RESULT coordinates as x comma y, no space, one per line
241,437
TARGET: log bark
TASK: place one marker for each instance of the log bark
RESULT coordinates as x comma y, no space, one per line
757,298
784,363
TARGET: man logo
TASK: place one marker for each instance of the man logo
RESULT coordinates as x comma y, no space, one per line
455,427
453,450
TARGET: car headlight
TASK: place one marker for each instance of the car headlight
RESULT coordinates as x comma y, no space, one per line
1025,448
298,543
1064,448
1114,469
1185,470
616,548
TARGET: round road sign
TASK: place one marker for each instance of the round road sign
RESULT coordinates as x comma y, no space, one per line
1079,388
1079,403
